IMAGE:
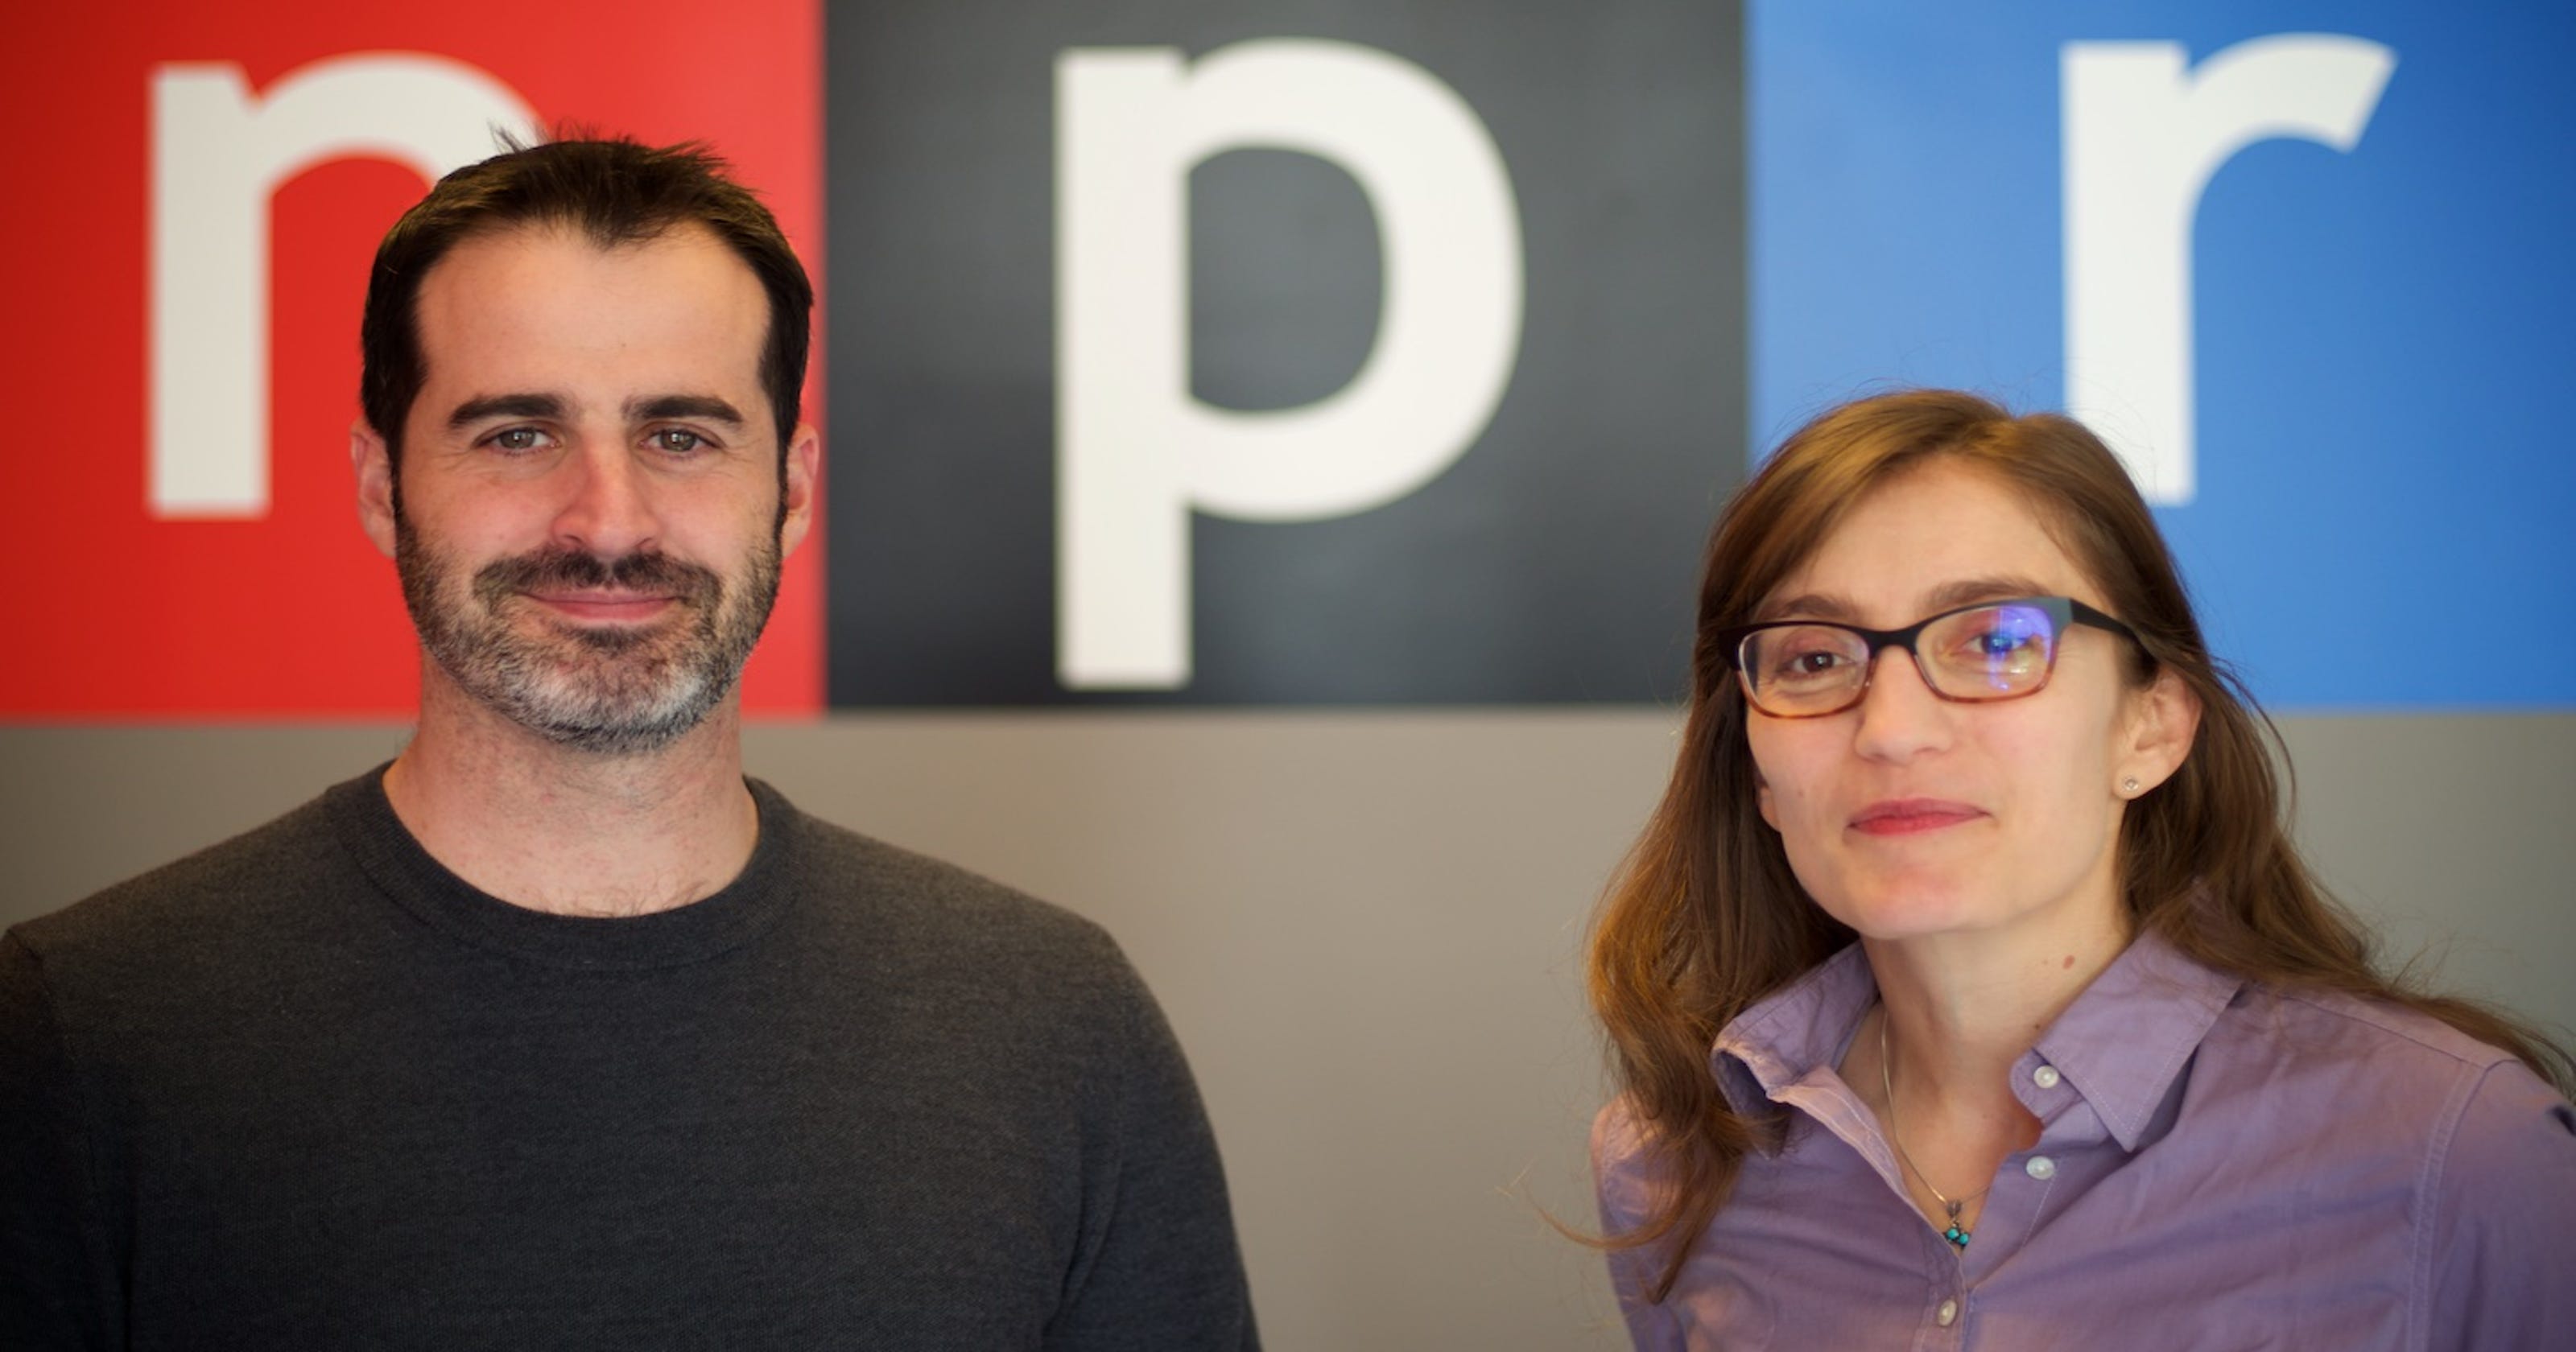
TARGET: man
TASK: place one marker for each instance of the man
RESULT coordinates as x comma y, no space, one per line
556,1031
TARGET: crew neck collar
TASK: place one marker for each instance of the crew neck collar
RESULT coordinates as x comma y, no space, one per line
410,877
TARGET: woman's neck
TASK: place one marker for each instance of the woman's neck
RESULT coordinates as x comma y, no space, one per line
1963,1007
1934,1059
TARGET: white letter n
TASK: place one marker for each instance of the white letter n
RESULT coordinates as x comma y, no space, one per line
218,154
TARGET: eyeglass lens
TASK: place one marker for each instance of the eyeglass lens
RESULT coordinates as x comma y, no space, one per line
1992,652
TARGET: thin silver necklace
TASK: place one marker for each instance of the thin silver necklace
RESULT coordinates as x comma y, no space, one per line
1957,1234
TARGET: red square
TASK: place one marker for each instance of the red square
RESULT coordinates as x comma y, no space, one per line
120,611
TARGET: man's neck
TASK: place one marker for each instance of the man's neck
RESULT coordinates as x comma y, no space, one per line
551,828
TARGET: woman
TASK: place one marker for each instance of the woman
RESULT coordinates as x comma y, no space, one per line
2030,1028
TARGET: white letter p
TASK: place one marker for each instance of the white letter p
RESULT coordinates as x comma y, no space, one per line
1136,450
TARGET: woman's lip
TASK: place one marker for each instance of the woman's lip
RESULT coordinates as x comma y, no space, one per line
1906,816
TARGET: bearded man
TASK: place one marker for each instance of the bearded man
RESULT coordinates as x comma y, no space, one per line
557,1031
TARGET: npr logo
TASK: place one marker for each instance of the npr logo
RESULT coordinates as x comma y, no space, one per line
1559,295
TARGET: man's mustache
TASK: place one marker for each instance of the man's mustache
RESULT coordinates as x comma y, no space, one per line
557,569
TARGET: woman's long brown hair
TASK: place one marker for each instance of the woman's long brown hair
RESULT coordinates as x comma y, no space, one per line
1705,917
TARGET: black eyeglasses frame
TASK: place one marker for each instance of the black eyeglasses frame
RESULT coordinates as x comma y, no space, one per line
2063,612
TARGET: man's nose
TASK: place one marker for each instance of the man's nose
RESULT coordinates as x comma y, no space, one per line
607,507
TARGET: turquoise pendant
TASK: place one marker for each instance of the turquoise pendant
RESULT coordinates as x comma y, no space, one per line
1957,1237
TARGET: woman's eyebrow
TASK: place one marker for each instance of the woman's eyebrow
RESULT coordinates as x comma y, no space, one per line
1970,591
1947,596
1808,606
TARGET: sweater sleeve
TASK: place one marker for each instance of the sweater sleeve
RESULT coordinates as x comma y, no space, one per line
2504,1219
1159,1267
57,1278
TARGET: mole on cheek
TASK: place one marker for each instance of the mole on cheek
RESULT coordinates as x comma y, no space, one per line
2068,964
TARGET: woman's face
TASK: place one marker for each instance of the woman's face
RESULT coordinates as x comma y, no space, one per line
1912,815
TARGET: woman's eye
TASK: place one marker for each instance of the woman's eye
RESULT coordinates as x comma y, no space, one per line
1807,664
2004,638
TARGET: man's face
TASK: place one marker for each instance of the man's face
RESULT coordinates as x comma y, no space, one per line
589,522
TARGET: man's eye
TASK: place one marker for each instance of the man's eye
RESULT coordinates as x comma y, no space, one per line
519,439
677,440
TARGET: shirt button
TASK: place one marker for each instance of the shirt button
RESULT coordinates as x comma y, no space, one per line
2040,1167
1947,1315
2045,1077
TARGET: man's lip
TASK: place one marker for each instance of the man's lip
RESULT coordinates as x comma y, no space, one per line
603,605
1904,816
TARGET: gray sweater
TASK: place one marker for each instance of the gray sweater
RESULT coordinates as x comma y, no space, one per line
310,1089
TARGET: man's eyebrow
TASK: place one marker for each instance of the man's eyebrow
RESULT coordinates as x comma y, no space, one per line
703,407
1947,596
490,406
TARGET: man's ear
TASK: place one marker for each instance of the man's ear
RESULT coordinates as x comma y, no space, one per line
2163,720
373,463
804,470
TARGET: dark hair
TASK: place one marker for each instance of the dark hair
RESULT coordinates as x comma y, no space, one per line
614,192
1705,917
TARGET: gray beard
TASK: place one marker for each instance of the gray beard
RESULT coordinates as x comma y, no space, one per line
609,692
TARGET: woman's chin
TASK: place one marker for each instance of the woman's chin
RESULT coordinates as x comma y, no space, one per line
1914,910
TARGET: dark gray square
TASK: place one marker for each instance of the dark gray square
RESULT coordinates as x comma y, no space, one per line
1553,562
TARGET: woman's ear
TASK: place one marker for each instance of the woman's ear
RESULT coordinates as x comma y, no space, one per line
2162,721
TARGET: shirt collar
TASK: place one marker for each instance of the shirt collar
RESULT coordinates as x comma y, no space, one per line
2120,1044
2130,1033
1784,1036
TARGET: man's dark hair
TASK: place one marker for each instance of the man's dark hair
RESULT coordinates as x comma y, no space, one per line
612,191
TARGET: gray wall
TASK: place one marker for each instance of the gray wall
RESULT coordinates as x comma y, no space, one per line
1366,928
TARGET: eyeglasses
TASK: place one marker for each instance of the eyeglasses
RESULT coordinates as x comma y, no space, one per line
1994,650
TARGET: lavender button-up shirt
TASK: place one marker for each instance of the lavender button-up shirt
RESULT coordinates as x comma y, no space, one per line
2219,1166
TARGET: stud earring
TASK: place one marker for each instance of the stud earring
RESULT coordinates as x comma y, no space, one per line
2129,786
